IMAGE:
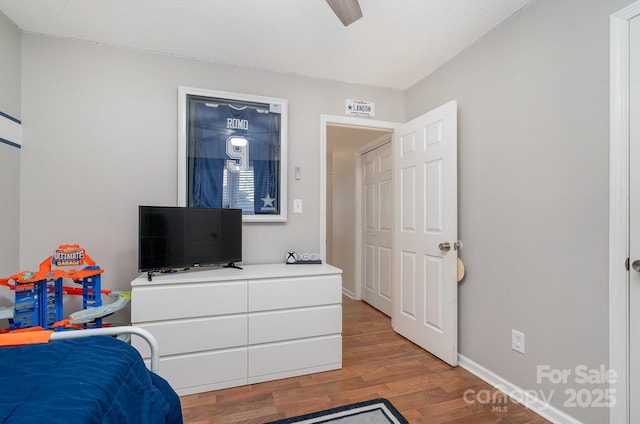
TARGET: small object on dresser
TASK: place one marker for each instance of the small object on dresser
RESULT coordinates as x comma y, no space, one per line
294,258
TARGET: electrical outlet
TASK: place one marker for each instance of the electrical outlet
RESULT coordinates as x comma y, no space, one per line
517,341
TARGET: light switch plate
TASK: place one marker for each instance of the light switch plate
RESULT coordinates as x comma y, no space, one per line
297,205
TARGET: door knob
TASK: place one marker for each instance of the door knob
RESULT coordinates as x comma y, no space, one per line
446,246
636,265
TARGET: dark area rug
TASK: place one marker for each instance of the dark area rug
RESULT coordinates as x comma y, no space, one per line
375,411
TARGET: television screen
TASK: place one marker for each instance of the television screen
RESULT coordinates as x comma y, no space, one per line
180,237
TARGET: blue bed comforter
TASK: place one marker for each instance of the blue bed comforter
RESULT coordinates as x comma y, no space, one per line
90,380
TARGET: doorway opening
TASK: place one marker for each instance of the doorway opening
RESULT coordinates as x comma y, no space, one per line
342,142
423,164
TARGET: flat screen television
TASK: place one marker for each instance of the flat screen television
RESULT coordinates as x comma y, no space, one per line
177,238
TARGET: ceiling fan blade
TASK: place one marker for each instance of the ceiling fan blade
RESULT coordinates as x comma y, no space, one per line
348,11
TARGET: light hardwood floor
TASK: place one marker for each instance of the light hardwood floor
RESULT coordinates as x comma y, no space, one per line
376,363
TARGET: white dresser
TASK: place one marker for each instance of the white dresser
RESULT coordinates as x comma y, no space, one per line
226,327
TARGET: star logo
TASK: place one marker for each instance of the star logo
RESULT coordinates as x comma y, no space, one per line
268,202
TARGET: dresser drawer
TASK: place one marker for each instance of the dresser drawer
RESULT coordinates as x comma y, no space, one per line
206,371
178,301
270,294
277,358
195,335
291,324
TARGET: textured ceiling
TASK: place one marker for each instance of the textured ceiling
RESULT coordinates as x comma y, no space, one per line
395,44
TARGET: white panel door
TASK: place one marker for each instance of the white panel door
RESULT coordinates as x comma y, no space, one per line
377,224
634,219
425,300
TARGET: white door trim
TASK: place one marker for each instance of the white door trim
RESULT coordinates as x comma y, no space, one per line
326,120
618,209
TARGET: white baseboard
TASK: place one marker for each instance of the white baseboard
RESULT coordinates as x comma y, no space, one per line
348,293
530,401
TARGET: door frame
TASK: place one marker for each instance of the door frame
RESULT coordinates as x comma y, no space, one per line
374,144
619,120
352,122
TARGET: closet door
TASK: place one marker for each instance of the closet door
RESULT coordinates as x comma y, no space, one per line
377,221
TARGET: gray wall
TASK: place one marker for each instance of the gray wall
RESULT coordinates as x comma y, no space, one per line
533,191
100,136
9,155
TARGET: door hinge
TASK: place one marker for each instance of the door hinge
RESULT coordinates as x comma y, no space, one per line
626,264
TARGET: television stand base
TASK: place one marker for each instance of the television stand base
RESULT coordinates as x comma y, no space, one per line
231,265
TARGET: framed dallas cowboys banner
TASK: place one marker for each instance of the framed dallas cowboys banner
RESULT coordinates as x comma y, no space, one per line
232,153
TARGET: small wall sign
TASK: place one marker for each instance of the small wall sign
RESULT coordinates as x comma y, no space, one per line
360,108
68,255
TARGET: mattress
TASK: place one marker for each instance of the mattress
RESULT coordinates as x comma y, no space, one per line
95,379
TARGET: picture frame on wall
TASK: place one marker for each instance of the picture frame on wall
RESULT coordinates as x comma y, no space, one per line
232,153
